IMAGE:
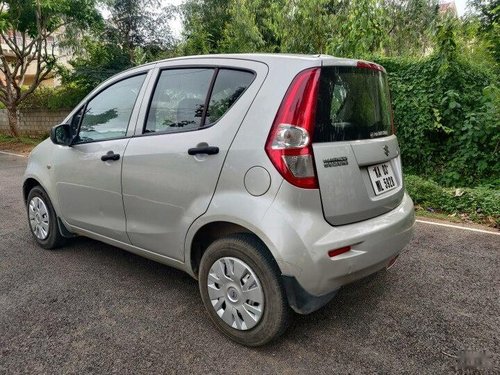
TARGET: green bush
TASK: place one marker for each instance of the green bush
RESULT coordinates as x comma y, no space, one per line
478,203
447,115
54,98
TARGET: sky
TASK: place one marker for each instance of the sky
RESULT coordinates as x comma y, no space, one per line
176,24
460,6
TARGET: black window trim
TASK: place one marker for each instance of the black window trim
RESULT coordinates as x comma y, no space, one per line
208,97
202,126
84,107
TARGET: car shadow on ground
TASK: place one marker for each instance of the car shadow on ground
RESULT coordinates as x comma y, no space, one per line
346,309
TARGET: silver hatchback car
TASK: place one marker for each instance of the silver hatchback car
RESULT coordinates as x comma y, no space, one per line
272,179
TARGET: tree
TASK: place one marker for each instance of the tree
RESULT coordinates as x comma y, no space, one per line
136,31
138,24
306,26
213,26
204,23
347,28
96,61
409,25
242,33
488,14
27,28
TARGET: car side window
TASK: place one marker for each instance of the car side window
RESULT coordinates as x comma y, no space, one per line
107,114
228,87
179,100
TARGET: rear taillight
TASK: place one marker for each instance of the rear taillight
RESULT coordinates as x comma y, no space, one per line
289,142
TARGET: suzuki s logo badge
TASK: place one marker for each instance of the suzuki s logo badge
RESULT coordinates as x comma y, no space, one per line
386,150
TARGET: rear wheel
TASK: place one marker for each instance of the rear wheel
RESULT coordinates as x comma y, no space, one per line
241,290
43,219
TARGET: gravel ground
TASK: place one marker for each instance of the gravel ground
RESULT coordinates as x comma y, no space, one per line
93,308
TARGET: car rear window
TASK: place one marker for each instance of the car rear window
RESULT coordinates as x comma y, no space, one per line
180,96
178,100
353,103
229,86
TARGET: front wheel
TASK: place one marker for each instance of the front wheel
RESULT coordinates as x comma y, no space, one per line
241,290
43,219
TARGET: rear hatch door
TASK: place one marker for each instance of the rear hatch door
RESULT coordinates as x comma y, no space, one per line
356,155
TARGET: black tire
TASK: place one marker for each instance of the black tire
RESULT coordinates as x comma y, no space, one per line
54,238
255,254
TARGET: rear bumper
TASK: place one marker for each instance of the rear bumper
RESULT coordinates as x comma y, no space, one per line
373,242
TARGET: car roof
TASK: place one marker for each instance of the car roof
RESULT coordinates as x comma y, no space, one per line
267,58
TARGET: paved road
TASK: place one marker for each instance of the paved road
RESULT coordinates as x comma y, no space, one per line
92,308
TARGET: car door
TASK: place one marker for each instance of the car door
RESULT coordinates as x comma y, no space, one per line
88,173
171,167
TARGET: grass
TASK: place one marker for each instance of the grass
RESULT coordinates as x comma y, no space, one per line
439,216
22,144
480,204
4,138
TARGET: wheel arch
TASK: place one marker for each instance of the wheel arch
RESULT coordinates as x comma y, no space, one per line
209,232
28,184
31,181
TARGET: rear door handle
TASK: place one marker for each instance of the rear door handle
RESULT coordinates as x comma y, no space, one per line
209,150
110,155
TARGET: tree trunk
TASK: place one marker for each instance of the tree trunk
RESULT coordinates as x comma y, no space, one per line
13,117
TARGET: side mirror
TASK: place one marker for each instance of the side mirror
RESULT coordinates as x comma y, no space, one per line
61,135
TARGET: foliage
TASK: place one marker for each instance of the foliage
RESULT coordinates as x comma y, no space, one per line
24,140
100,61
54,98
447,123
362,30
357,28
28,29
409,26
137,24
315,17
242,33
480,203
473,46
135,32
447,115
488,16
204,22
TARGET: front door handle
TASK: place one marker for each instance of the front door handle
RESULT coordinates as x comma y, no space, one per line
209,150
110,155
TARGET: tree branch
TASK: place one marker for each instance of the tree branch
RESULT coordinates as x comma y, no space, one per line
3,92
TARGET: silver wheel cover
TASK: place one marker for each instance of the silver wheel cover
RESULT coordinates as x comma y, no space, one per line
39,218
235,292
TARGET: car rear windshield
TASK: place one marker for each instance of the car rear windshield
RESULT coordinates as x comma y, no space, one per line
353,104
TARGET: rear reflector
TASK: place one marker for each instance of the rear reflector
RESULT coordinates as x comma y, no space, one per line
335,252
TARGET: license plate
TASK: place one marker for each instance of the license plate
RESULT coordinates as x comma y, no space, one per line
382,178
